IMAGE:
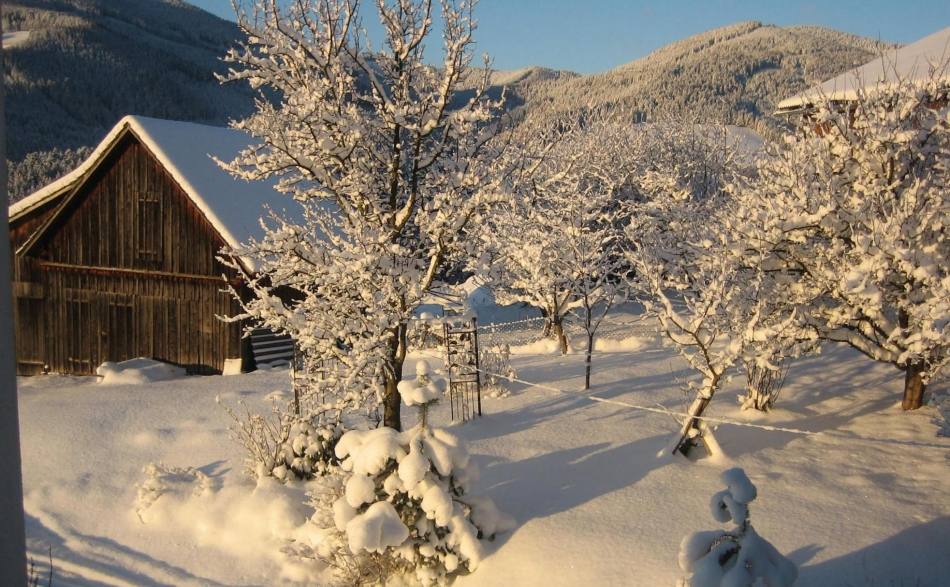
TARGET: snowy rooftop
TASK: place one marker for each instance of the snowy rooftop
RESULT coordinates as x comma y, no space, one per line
913,62
185,149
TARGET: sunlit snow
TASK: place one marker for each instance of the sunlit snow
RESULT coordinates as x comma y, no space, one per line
869,496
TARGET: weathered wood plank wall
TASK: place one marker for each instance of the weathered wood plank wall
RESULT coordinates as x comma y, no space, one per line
128,268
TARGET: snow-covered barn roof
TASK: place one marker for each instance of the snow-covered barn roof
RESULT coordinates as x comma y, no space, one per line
912,62
233,207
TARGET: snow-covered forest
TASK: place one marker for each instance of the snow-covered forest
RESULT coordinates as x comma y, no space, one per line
715,310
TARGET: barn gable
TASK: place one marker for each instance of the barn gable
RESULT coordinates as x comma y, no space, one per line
119,259
129,214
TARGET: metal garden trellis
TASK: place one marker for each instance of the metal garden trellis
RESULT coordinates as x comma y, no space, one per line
461,360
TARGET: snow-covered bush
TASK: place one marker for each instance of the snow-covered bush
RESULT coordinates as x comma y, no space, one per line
426,389
284,444
495,362
737,557
400,506
763,383
423,334
161,479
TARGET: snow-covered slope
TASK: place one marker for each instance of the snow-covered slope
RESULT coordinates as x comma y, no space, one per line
734,75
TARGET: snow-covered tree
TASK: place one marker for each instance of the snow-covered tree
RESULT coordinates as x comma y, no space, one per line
851,216
386,175
556,244
691,274
401,504
737,557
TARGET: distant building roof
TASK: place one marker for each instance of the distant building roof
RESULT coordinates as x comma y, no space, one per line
913,62
233,207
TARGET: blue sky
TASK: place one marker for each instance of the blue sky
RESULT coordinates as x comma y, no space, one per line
590,36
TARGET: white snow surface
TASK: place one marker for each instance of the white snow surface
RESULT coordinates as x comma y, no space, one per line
14,38
867,499
912,62
233,207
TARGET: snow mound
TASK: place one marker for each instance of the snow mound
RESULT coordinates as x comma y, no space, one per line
546,346
137,372
626,345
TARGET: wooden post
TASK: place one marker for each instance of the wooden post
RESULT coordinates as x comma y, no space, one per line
12,535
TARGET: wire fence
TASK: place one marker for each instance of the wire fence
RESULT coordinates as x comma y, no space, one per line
531,330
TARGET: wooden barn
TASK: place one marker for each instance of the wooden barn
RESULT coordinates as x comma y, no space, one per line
118,259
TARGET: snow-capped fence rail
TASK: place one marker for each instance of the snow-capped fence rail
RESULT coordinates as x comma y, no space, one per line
531,330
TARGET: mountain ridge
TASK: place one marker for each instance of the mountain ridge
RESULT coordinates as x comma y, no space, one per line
88,63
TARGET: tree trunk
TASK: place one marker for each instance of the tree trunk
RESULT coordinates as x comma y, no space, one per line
913,386
557,324
590,349
913,383
590,341
392,400
695,412
391,404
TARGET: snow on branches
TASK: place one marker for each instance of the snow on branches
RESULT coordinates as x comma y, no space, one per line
556,244
687,267
737,557
387,174
851,216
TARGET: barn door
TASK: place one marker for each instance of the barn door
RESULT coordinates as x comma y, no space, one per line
116,328
81,340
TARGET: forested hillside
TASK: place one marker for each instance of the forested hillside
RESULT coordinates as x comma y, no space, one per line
88,63
733,75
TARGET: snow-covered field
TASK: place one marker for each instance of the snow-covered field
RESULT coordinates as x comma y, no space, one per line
863,499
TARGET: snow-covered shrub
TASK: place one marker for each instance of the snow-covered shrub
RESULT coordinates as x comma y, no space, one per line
423,334
737,557
401,505
495,362
764,383
161,479
284,444
423,391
